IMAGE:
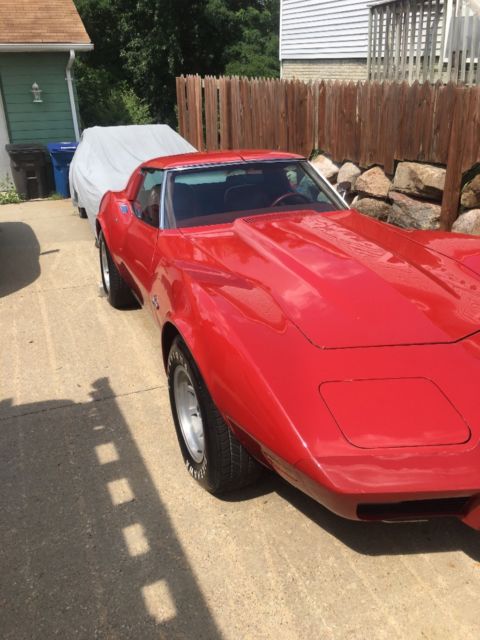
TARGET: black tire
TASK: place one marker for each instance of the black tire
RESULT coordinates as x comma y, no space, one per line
81,212
226,464
117,290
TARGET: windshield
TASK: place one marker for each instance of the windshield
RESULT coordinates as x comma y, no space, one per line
217,195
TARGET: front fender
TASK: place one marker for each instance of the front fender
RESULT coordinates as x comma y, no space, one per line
237,358
102,221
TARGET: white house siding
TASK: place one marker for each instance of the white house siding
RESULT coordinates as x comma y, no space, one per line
4,158
324,39
319,29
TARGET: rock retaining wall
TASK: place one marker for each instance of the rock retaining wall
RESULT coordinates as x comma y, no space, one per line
410,199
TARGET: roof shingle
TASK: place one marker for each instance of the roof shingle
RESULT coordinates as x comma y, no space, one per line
41,22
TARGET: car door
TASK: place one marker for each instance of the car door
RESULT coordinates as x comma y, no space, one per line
142,232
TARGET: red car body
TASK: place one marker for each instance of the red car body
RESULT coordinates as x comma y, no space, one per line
344,353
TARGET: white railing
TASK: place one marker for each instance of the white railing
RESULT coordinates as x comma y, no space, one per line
425,40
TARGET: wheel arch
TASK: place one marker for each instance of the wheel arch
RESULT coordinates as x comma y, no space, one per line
98,228
179,327
169,333
200,347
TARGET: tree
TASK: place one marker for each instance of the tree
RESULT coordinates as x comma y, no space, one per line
142,45
106,93
256,52
105,100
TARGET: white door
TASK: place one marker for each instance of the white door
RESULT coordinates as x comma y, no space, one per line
4,157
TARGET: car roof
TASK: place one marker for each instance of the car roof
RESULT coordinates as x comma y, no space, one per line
217,157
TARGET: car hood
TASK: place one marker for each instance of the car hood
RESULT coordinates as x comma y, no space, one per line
347,281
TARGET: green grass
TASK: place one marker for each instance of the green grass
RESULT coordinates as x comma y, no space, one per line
8,193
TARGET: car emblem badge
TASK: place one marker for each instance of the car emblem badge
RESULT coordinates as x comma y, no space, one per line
123,208
155,302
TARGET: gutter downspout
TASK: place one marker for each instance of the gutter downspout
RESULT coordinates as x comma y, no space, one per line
280,40
71,94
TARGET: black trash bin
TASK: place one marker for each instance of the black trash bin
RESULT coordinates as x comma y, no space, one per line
31,170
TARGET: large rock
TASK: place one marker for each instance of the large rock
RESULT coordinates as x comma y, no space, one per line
374,183
348,175
471,193
468,222
422,180
413,214
374,208
326,167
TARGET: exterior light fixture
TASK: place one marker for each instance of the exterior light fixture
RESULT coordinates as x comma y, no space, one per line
37,93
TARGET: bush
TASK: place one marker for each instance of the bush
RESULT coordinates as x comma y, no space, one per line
105,101
8,193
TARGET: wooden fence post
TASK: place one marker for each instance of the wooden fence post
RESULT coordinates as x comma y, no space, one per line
199,137
225,121
182,107
471,150
321,124
195,112
453,178
211,113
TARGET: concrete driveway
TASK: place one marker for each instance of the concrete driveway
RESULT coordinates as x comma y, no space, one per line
103,533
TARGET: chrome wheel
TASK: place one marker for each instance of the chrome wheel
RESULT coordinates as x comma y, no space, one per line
188,413
105,267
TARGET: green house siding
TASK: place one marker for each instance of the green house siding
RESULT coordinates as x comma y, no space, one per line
49,121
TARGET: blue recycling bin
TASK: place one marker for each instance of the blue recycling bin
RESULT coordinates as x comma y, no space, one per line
62,154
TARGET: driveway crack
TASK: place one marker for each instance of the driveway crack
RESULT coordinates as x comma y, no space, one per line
72,403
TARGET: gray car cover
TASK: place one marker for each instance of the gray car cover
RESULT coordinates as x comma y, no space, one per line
107,156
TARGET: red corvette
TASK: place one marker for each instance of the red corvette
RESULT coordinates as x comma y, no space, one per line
337,350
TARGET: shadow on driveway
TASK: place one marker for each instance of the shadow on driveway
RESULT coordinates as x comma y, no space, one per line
19,257
374,538
88,550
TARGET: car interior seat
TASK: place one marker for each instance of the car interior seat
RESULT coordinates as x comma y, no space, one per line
245,197
151,210
184,202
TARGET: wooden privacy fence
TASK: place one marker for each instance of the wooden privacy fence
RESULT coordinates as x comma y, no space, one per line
369,123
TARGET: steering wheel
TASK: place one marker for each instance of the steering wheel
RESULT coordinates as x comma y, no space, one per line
290,194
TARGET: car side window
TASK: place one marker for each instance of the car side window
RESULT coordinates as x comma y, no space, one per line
146,205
